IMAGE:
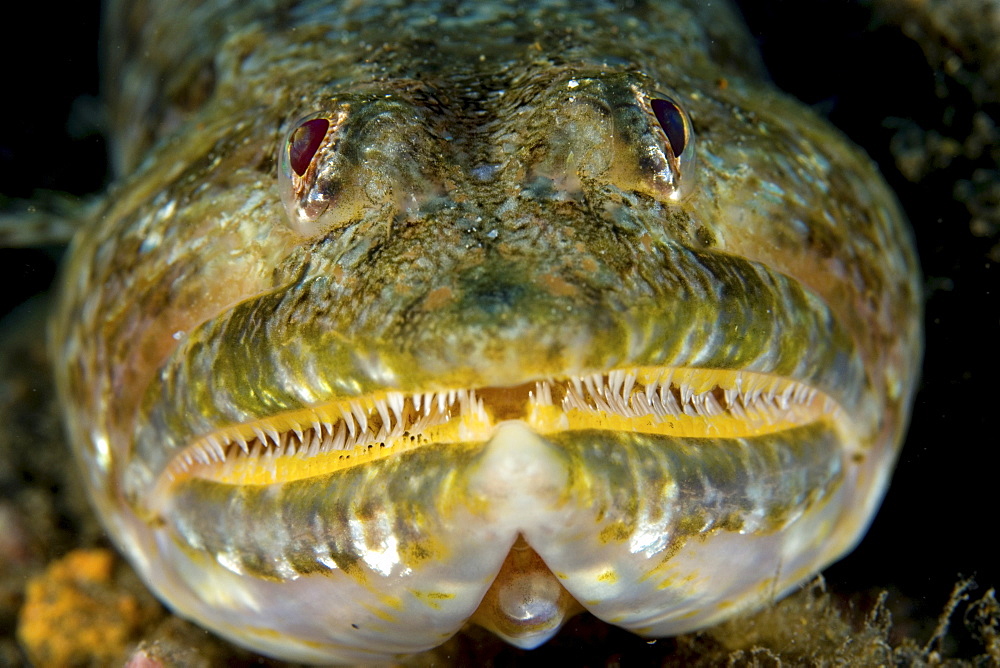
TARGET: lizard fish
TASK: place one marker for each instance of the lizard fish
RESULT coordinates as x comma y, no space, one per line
409,315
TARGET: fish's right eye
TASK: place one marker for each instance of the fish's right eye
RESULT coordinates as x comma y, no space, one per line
308,164
303,143
348,161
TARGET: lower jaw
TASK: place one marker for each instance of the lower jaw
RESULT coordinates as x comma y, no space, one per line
658,534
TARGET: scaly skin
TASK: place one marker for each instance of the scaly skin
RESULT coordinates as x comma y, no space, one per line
501,213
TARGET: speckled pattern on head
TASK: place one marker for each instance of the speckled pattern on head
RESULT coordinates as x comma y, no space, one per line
408,315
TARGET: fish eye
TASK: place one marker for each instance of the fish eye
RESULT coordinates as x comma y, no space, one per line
679,134
303,143
671,119
302,169
357,154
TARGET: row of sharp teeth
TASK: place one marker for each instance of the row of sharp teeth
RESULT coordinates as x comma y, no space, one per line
616,393
397,414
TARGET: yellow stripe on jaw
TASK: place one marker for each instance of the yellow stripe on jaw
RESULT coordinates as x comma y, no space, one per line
286,468
689,403
550,419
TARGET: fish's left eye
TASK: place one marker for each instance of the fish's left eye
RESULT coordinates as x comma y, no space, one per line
678,132
673,122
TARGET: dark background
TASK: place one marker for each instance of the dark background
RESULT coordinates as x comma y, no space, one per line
864,74
874,83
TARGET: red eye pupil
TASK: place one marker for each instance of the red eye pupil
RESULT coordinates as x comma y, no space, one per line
304,143
671,119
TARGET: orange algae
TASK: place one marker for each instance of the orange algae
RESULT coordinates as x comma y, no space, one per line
76,613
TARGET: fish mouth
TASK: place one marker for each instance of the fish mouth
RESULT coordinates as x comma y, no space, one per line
409,448
390,483
263,395
662,401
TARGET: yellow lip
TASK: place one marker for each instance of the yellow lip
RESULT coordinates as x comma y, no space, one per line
691,403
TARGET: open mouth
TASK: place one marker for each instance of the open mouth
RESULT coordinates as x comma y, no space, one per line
319,440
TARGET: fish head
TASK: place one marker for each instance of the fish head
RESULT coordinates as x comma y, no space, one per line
419,354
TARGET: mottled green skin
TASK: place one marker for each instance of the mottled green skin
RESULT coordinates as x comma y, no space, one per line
504,227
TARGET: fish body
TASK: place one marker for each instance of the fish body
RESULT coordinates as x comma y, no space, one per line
408,315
